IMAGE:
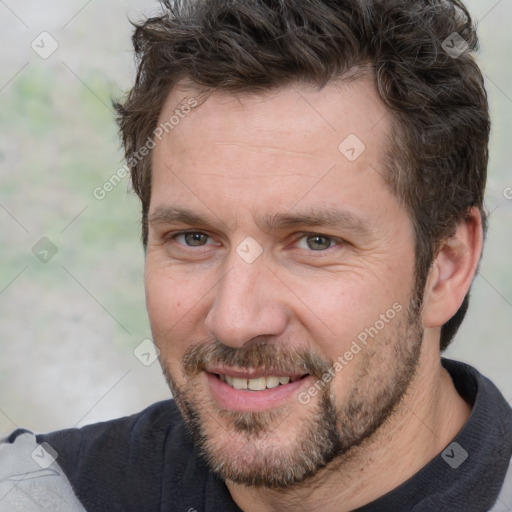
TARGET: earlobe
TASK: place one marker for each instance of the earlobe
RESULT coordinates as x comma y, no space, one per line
453,270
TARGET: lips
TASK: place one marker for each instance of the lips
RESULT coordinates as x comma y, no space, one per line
246,390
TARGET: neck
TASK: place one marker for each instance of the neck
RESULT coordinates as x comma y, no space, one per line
429,416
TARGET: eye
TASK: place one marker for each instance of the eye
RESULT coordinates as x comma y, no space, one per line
316,242
192,239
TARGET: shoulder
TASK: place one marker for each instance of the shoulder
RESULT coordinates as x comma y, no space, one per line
119,464
153,423
504,500
30,478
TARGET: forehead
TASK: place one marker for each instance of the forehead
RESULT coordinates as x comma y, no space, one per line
271,150
308,119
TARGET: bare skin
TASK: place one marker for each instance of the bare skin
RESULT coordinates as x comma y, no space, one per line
231,171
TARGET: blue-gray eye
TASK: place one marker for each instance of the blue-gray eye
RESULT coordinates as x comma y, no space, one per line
195,239
318,242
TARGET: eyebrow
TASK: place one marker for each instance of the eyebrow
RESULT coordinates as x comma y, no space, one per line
316,217
167,215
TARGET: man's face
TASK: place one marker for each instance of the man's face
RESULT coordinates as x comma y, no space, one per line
277,255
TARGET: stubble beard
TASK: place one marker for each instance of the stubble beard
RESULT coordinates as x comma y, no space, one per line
328,432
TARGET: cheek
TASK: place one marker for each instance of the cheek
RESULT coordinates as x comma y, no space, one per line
350,318
168,296
161,299
175,305
342,305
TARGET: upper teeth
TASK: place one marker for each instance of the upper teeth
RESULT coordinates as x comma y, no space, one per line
254,384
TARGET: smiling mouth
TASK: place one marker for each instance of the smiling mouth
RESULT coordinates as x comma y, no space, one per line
257,384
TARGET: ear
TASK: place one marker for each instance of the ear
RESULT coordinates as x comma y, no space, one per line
453,270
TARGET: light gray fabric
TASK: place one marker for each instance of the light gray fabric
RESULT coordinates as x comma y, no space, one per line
31,480
504,501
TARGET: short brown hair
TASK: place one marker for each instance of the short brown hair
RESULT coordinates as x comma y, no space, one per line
437,156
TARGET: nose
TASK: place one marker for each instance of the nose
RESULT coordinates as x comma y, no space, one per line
246,304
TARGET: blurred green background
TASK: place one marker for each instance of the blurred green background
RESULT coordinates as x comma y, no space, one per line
69,326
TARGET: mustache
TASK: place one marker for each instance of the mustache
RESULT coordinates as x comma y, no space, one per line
258,355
